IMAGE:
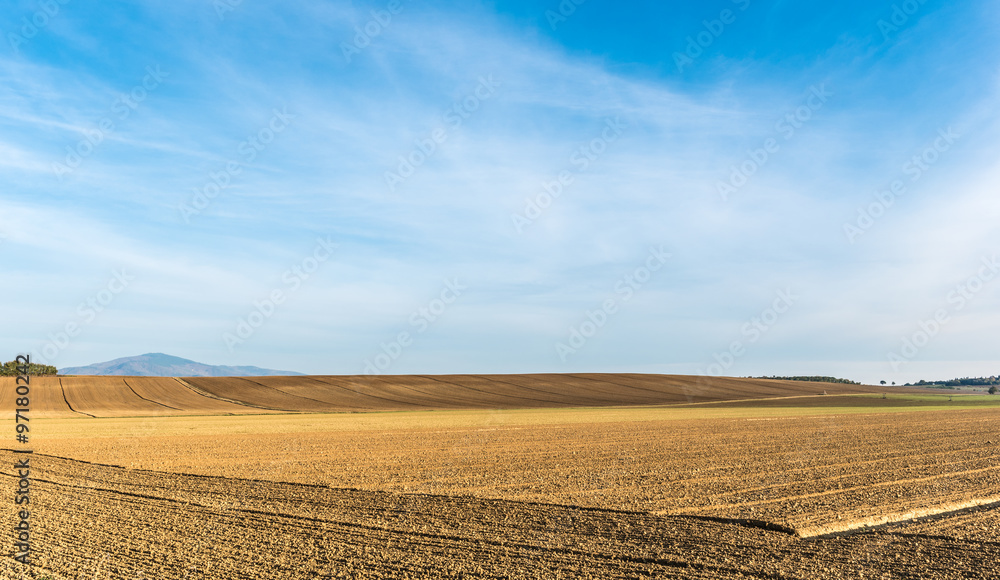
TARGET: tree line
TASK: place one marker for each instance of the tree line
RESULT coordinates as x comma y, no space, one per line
966,382
10,369
811,379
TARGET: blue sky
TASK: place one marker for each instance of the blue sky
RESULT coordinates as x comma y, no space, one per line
510,186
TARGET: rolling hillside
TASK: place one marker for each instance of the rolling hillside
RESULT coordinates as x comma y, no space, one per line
115,396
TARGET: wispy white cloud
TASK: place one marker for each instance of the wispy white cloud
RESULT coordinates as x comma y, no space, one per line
325,176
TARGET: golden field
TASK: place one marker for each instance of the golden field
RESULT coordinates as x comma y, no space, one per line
639,476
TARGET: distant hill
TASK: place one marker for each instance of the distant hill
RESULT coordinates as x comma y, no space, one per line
164,365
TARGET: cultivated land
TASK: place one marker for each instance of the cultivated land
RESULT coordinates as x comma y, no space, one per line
524,476
152,396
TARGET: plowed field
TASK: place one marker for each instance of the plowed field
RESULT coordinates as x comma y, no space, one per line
155,396
47,397
104,522
787,486
175,395
814,474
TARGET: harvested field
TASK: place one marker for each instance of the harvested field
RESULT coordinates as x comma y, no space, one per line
184,526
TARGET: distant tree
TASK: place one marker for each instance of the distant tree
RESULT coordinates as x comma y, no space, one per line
883,382
993,390
893,382
10,369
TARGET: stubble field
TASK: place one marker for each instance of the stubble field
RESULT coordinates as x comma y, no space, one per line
793,485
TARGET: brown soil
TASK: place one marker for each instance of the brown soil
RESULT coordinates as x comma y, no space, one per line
155,396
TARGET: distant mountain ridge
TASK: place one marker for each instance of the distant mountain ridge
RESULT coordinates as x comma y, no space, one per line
163,365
